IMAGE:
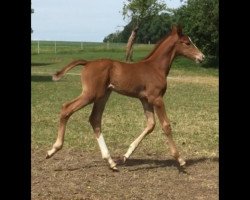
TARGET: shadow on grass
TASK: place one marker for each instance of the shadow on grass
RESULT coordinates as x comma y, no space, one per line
35,78
40,64
153,163
146,164
167,163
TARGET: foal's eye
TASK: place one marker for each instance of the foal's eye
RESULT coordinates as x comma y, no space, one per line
187,43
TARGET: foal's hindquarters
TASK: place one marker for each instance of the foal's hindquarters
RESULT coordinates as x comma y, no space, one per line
97,87
95,90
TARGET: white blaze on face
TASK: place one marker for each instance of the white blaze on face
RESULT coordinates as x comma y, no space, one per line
200,56
192,42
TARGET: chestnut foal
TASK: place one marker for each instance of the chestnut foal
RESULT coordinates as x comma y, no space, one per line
145,80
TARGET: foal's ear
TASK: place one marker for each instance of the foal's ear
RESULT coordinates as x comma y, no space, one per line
173,29
179,30
176,30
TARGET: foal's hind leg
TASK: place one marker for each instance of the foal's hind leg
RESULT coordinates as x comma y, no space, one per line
67,110
149,112
95,120
161,113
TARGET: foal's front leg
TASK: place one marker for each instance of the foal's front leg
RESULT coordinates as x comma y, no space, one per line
161,113
149,112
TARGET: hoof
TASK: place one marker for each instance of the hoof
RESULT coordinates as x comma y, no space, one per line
182,162
114,169
50,153
120,160
48,156
55,77
113,166
124,159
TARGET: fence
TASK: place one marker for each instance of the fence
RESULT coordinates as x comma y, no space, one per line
43,47
38,47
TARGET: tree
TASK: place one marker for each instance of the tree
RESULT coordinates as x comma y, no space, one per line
200,20
150,31
131,41
141,10
32,11
138,11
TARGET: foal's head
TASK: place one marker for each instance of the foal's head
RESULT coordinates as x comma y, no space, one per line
185,47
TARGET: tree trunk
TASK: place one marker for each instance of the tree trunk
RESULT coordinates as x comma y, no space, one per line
129,48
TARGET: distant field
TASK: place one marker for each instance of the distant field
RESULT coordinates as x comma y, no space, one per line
52,47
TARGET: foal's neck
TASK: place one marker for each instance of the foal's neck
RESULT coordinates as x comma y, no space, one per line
164,55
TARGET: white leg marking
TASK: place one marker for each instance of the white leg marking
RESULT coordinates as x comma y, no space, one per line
134,144
103,147
111,86
56,147
105,151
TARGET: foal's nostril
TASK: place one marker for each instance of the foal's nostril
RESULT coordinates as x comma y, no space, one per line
200,58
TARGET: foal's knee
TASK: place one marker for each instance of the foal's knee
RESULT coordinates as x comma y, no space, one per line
65,114
157,102
95,123
151,126
166,127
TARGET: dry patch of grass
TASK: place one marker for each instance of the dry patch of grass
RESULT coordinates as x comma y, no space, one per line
209,80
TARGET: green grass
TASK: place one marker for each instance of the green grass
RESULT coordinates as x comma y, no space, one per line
191,102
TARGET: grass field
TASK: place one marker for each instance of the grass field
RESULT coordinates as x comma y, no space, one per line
78,172
191,102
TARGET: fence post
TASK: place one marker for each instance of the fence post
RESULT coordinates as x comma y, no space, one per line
108,45
81,45
38,48
55,46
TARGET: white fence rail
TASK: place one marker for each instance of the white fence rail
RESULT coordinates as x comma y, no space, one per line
39,46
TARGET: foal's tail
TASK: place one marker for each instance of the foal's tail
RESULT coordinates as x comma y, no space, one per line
59,74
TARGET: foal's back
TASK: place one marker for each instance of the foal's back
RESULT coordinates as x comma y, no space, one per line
131,79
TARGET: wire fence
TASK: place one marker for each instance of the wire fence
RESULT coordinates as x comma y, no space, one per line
43,47
39,47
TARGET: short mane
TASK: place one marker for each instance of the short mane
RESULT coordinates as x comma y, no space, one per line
156,46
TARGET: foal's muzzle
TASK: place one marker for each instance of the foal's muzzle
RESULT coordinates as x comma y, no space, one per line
200,58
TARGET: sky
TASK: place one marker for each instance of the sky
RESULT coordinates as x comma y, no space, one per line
79,20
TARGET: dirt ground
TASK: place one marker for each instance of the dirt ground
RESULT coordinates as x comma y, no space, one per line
73,174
